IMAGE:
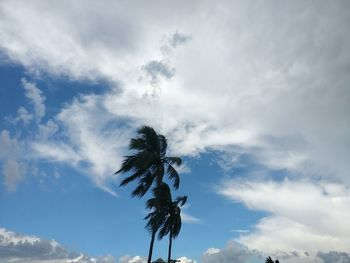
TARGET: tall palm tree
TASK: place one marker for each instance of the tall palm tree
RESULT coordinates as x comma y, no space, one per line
149,162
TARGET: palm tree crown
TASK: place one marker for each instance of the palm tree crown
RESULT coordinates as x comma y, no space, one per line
149,162
172,223
270,260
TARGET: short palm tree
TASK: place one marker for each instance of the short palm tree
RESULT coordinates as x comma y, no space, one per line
156,218
149,162
166,214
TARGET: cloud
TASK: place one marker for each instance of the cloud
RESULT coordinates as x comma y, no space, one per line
186,260
178,39
334,257
235,252
36,97
155,69
232,253
130,259
18,248
303,215
10,157
13,173
264,80
23,115
186,218
21,248
255,82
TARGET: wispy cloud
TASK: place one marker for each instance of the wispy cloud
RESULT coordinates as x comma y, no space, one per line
36,97
11,152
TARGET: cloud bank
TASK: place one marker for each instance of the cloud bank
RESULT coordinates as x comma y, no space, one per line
21,248
18,248
303,216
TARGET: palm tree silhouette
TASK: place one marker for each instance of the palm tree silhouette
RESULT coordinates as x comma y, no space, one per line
147,166
165,215
172,223
156,218
269,260
149,162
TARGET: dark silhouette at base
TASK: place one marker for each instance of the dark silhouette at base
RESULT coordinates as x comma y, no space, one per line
269,260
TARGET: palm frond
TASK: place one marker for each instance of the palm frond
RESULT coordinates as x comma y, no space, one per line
181,200
147,181
176,226
164,230
139,191
163,145
155,220
138,144
173,176
144,159
173,160
129,179
150,136
127,164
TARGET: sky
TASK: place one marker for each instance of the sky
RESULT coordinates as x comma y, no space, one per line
253,95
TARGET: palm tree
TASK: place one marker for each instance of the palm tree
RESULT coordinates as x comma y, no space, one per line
165,215
149,162
147,166
171,224
269,260
156,218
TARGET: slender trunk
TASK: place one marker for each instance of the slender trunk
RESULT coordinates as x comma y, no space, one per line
170,244
151,247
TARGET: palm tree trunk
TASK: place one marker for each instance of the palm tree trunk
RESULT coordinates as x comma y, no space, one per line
170,244
151,247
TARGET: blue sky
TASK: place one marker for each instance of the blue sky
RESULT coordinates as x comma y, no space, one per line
254,96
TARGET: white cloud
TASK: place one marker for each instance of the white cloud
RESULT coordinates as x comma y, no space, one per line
304,216
186,260
237,253
211,251
23,115
130,259
334,257
17,248
234,252
187,218
36,97
13,174
11,158
253,81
